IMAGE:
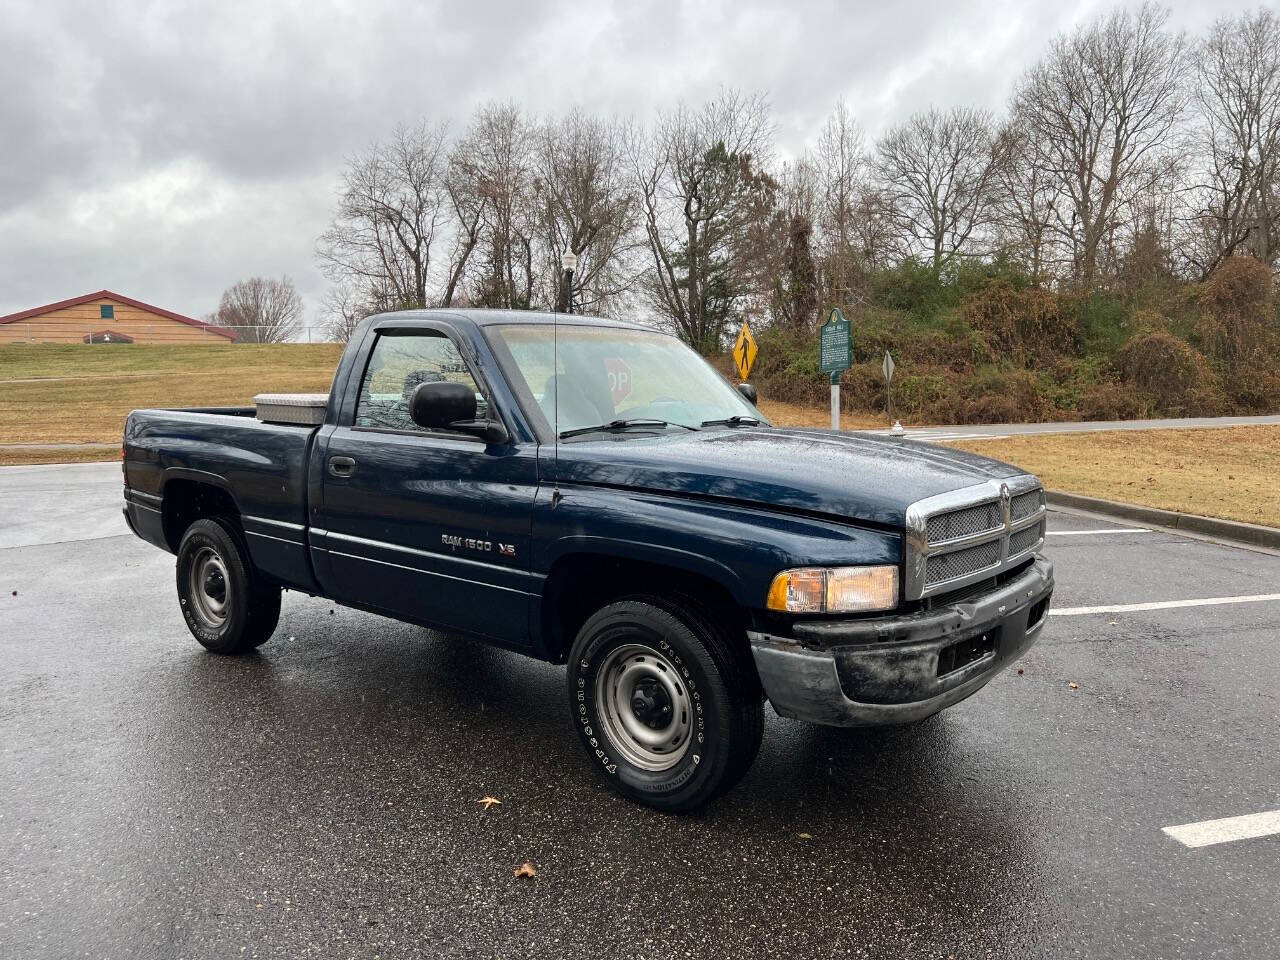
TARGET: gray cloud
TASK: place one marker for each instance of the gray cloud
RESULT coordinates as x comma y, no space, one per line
166,150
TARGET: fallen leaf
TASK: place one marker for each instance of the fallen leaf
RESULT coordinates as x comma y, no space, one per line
1073,685
490,802
526,869
804,836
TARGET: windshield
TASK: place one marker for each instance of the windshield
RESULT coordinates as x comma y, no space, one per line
603,375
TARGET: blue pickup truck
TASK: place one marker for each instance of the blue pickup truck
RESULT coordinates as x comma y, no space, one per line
593,493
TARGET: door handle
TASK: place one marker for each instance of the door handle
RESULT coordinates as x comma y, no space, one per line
342,467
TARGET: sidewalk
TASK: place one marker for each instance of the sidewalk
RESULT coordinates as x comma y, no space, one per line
998,430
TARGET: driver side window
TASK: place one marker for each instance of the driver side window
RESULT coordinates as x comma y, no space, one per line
397,364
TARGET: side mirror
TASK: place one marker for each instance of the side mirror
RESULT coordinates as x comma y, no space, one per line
749,391
452,406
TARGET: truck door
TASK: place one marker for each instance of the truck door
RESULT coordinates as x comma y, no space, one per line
430,526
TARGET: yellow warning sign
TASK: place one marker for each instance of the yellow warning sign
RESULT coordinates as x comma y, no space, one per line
744,351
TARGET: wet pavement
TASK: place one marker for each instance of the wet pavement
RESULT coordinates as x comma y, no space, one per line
319,798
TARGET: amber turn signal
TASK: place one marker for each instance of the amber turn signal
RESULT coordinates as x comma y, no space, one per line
834,590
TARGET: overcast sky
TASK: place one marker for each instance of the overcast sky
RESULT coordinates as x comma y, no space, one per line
166,150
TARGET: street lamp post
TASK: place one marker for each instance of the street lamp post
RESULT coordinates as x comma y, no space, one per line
569,262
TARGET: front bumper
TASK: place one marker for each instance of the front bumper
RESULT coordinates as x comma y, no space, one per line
887,670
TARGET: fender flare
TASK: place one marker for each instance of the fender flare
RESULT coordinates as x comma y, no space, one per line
198,476
647,552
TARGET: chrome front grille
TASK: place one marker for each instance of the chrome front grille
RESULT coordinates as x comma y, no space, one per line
1026,539
945,567
961,537
1025,504
965,523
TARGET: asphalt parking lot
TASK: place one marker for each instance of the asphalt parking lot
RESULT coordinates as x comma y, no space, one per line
319,798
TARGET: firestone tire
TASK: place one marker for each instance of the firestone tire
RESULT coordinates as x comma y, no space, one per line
667,706
227,606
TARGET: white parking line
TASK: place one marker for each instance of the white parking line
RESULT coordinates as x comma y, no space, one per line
1208,832
1093,533
1162,605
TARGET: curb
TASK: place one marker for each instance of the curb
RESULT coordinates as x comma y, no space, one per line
1252,534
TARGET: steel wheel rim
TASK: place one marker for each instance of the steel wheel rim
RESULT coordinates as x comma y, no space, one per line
210,588
633,685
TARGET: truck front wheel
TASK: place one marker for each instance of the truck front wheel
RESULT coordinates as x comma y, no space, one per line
226,604
666,704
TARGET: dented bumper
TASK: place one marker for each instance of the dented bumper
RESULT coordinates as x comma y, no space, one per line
901,669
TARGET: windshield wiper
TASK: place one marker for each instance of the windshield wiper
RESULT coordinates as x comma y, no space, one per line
613,425
737,420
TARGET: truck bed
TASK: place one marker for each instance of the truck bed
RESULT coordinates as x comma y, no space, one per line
262,467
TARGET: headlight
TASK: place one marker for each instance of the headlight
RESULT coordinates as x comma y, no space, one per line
834,590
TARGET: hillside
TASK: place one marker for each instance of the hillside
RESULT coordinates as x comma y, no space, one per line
50,393
983,346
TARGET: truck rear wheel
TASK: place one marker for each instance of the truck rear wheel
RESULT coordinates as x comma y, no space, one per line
226,604
667,706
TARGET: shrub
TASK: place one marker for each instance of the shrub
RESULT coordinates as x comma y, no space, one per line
1236,318
1166,371
1256,386
1102,321
1021,325
1045,331
931,396
1110,401
992,408
1148,321
1002,395
924,295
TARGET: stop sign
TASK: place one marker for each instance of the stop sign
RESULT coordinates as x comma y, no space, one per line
619,378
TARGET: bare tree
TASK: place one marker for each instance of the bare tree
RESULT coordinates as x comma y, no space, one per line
841,168
789,270
1026,193
938,171
589,207
1101,106
702,185
391,211
495,162
261,310
469,204
344,309
1238,96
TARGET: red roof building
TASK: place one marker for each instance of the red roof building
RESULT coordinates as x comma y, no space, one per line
106,317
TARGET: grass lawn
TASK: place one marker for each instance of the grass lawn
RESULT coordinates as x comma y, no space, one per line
1229,472
795,415
55,393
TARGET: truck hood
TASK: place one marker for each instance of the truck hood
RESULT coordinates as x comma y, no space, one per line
851,476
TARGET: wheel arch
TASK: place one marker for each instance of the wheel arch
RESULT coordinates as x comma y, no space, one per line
582,581
191,495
